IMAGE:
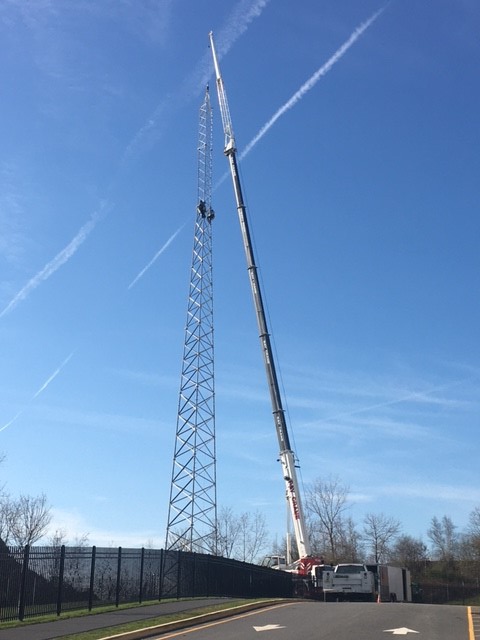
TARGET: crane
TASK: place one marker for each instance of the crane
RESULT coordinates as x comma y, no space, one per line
286,455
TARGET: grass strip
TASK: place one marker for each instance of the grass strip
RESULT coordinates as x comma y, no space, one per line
80,613
96,634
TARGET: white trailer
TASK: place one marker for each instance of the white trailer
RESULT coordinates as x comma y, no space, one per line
392,584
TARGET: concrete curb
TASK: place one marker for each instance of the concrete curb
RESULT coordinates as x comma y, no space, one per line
147,632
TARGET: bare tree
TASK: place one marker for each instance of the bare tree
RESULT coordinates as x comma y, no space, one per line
316,536
472,538
444,539
24,520
31,519
7,517
241,537
350,546
327,501
253,536
379,532
410,552
58,538
474,522
5,512
227,531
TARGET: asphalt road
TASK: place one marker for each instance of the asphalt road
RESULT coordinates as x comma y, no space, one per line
67,626
338,621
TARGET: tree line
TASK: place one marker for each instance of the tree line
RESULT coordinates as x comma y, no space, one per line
381,538
333,533
452,554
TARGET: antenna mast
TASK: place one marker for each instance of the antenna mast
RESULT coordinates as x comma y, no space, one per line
192,513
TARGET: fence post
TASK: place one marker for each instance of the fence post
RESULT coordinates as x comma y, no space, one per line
194,576
61,572
142,564
119,569
23,583
209,577
179,572
160,582
92,578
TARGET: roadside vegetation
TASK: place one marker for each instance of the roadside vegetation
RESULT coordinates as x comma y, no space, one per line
444,565
132,626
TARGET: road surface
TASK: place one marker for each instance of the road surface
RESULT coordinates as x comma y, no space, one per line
338,621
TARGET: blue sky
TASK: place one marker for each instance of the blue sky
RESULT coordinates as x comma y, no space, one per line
363,197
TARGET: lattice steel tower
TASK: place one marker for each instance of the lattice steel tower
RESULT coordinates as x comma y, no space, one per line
192,513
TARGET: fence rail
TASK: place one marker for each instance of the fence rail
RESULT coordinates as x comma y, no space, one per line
50,580
444,593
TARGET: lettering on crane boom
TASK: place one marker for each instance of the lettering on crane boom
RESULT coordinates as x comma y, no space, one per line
294,498
279,425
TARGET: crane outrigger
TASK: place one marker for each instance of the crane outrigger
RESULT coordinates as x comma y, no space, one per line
286,455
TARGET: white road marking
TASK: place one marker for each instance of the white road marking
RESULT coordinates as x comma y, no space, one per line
401,631
269,627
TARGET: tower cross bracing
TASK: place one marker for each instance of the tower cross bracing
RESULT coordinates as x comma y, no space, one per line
192,513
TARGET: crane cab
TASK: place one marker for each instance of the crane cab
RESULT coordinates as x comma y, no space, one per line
275,562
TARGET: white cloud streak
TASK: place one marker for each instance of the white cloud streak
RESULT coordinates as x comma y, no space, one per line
156,256
312,81
418,397
237,23
40,390
52,377
244,12
51,267
5,426
433,491
235,26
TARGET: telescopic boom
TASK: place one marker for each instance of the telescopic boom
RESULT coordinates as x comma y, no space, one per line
287,457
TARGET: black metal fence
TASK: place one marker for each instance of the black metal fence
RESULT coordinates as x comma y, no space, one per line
457,592
46,580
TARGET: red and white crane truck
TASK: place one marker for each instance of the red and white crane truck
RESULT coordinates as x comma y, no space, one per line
306,563
314,576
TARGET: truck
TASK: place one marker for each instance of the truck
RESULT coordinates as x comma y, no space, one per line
307,573
349,582
392,584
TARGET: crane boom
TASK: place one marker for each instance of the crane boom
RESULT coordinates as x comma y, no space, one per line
287,456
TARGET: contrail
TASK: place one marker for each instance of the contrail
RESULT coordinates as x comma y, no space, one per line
235,26
40,390
156,256
60,259
420,396
312,81
5,426
52,377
